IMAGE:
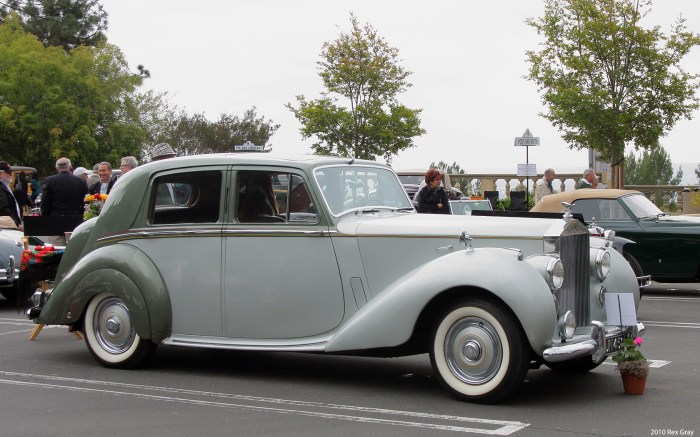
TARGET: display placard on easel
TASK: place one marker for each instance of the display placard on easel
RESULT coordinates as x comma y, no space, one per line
620,309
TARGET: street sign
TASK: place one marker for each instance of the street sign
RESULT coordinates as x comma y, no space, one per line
527,170
248,147
527,139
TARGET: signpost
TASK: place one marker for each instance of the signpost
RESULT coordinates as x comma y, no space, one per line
248,147
527,140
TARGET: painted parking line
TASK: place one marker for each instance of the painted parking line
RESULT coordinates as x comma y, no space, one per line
664,324
654,364
351,413
664,299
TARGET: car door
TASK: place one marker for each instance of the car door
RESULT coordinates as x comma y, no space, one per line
281,278
182,237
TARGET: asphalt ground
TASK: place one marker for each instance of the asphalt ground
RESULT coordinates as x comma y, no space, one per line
667,288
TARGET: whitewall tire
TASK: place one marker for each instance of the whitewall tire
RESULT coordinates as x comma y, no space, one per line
478,351
110,334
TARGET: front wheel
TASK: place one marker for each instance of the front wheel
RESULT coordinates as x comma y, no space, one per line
636,267
479,351
110,334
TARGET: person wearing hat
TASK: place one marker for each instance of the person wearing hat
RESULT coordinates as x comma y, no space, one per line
165,194
8,203
162,151
81,172
64,193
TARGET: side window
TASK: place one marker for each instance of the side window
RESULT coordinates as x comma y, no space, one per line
272,197
193,197
600,209
589,208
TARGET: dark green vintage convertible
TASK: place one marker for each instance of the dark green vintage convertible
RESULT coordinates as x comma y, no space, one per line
665,246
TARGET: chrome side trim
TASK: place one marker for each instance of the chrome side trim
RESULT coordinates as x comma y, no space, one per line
317,344
218,232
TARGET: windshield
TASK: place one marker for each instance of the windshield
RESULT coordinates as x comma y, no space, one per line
411,179
640,206
352,187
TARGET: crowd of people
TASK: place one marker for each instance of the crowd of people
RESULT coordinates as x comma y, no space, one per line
431,198
64,193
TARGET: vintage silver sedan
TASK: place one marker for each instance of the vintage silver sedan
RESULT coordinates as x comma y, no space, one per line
327,255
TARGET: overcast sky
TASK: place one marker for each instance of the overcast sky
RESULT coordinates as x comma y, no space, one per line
467,59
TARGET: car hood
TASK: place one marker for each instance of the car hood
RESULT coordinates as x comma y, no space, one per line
685,222
439,225
12,234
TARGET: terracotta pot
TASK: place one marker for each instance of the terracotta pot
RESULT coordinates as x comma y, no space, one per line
632,384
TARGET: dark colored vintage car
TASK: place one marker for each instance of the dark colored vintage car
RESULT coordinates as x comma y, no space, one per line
665,246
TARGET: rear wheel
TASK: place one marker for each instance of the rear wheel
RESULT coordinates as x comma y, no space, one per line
110,334
479,352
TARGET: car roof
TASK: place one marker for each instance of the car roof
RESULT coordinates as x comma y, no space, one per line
552,202
263,159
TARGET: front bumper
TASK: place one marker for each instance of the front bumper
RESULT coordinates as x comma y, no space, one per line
602,342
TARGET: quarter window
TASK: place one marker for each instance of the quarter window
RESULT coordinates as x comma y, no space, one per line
193,197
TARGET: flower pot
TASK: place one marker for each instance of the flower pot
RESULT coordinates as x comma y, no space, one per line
634,385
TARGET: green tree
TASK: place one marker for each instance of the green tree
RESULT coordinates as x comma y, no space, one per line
362,68
193,135
81,104
697,173
652,167
61,23
455,169
607,81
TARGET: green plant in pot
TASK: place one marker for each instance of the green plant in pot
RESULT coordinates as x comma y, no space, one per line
632,365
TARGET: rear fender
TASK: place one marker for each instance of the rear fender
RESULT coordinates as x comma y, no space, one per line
126,272
388,320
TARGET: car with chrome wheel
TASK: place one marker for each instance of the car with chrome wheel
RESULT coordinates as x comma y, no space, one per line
316,254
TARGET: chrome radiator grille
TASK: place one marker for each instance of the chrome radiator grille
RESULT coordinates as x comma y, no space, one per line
574,250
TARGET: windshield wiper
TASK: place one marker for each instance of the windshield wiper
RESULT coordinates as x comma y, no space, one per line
366,210
655,216
408,208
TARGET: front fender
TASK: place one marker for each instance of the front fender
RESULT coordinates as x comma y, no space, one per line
388,319
619,243
126,272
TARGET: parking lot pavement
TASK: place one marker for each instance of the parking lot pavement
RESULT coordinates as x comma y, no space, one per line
663,288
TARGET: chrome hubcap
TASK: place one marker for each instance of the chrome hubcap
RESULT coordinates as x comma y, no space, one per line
112,326
473,350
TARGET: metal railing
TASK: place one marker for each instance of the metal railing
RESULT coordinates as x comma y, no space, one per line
685,197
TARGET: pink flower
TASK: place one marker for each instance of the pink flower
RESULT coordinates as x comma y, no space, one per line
638,341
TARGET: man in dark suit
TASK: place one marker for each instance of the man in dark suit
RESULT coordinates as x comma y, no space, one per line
64,193
104,186
8,203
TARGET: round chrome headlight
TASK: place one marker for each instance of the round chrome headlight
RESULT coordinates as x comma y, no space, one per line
555,274
602,264
567,325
